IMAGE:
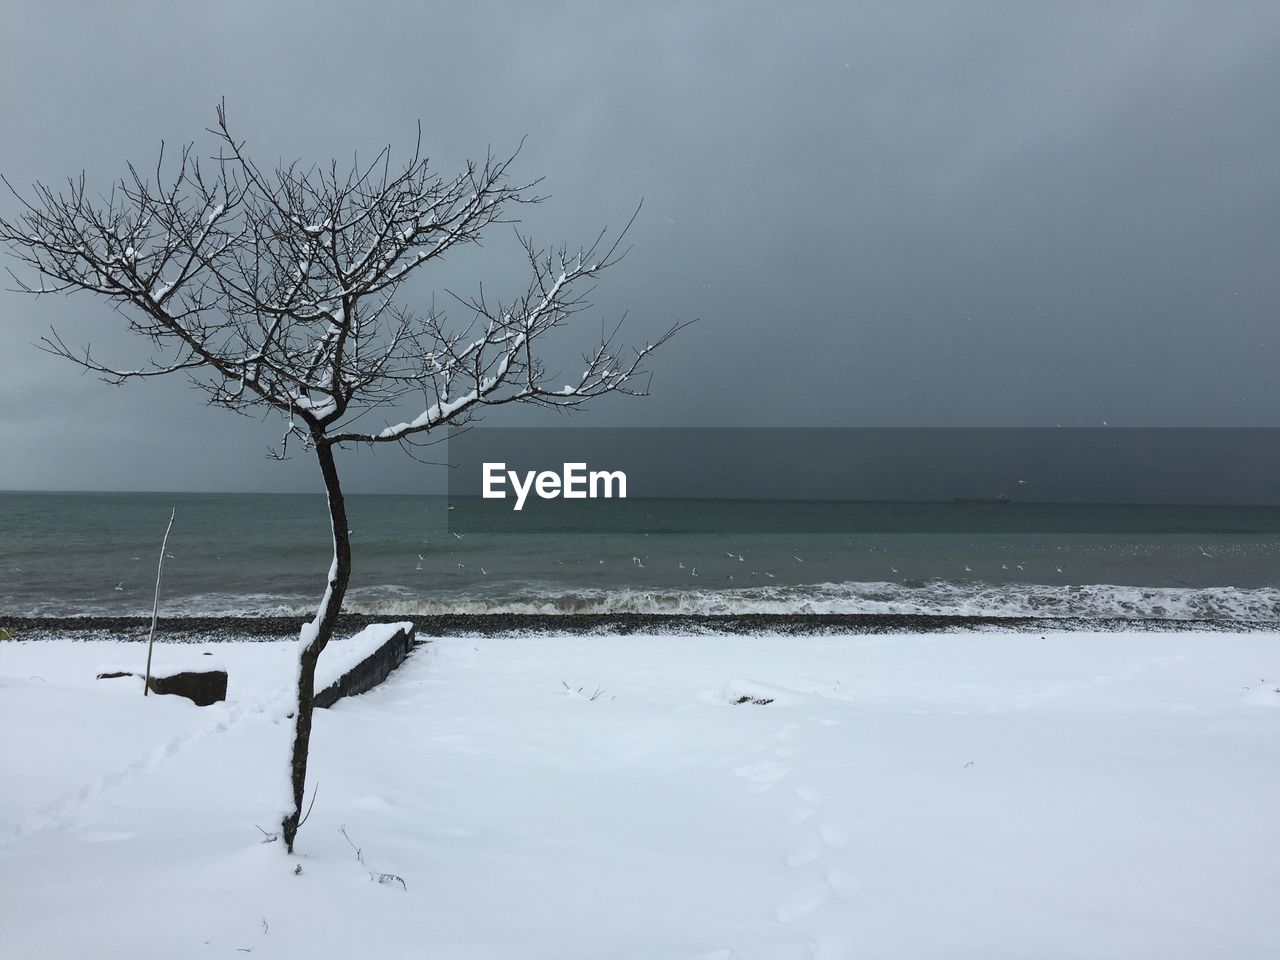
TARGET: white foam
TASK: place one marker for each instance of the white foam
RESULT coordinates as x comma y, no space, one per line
937,597
934,597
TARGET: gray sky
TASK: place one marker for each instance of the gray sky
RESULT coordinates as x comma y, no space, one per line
884,214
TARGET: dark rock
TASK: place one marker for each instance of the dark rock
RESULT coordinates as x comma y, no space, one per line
201,687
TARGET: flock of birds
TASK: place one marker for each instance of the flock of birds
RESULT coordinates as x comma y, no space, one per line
639,563
120,583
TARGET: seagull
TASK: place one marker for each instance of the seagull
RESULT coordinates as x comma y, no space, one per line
1202,551
637,561
967,569
729,577
894,569
1004,566
461,564
421,557
169,555
484,571
120,585
560,562
740,558
1024,483
602,561
1018,565
458,535
1059,569
695,572
797,559
680,564
729,554
769,575
139,558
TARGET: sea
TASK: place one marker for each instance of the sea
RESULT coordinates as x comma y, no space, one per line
239,555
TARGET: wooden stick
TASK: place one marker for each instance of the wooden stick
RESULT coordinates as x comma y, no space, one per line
155,605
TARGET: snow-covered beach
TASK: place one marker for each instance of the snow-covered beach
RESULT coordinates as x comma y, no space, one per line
976,794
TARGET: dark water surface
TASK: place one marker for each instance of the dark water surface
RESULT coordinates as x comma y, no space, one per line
267,554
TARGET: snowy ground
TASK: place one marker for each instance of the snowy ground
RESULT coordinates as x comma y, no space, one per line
971,795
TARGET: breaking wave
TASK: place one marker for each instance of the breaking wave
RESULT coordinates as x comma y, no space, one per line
935,597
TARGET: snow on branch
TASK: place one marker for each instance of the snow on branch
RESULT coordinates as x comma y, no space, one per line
278,288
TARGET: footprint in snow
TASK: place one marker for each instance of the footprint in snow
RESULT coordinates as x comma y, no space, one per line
843,883
809,795
808,898
801,813
105,836
805,852
812,895
761,776
807,803
830,947
834,837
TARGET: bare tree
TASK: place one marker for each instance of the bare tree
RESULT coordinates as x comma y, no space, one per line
277,290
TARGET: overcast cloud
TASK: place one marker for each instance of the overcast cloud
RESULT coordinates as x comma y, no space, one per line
884,214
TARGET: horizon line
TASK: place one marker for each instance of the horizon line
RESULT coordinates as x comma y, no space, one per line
961,501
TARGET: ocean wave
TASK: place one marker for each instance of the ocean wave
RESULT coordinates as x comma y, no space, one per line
198,605
938,597
935,597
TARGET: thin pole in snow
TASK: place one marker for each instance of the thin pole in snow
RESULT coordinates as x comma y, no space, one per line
155,605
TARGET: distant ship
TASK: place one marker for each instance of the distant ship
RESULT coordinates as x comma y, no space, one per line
1001,498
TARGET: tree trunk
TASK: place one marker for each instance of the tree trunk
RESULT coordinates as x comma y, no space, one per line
315,635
